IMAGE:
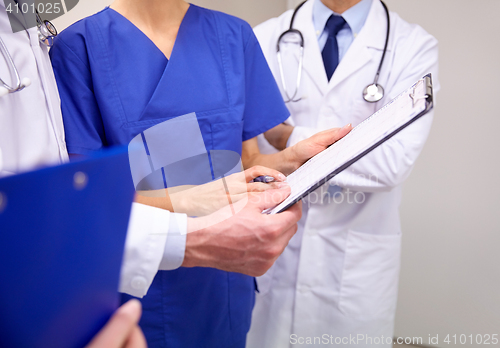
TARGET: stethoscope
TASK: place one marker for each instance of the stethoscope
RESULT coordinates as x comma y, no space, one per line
372,93
46,34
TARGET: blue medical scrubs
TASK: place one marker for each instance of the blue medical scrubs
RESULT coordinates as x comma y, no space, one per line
115,83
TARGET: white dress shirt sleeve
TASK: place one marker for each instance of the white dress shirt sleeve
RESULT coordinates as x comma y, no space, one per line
146,247
173,255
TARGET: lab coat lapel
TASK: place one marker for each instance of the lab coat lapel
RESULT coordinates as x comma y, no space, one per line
364,47
18,20
313,61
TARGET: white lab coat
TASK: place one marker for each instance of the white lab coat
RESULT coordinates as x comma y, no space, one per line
32,135
31,128
339,274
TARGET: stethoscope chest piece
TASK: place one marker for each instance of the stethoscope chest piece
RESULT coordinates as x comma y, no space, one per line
46,31
373,93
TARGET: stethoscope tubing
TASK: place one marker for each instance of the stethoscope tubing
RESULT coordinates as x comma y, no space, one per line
12,68
46,33
388,33
380,89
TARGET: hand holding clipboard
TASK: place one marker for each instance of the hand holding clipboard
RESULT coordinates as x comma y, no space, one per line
398,114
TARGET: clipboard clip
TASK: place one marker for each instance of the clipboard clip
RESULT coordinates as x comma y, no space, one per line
415,98
428,90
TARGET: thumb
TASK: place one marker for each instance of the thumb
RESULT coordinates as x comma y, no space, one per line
119,328
331,136
271,198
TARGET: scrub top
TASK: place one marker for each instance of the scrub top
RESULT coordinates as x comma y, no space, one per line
115,83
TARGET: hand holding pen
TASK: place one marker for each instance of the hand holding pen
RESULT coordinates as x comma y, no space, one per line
266,179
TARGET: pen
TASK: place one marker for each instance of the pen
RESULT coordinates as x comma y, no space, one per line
266,179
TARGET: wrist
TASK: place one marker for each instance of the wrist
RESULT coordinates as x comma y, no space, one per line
193,240
177,202
183,201
287,132
292,160
278,136
198,231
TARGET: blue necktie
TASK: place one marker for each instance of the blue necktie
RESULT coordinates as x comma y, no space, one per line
331,50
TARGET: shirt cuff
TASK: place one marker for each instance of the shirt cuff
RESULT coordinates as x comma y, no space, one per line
144,248
175,246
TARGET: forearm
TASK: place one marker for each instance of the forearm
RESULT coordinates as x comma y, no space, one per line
176,199
283,161
155,198
279,135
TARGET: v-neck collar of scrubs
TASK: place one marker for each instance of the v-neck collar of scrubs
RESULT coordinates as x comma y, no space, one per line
148,39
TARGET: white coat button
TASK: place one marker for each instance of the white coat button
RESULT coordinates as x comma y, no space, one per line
138,283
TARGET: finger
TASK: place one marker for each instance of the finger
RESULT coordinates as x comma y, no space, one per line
328,137
261,187
136,339
270,198
289,217
118,329
342,132
294,213
285,237
257,171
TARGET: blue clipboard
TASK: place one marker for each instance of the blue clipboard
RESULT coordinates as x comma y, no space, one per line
62,236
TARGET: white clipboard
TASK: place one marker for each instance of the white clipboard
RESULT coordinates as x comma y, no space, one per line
398,114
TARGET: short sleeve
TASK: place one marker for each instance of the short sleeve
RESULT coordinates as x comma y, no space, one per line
83,124
264,105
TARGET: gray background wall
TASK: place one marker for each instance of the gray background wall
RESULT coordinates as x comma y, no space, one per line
450,279
253,11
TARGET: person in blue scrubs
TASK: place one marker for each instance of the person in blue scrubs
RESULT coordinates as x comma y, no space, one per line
119,75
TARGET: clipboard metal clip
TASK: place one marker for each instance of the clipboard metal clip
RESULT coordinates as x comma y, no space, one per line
415,98
427,80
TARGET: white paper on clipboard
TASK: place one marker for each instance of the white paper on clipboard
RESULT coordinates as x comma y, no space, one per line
382,125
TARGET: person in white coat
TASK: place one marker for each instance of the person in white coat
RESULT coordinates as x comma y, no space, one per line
336,282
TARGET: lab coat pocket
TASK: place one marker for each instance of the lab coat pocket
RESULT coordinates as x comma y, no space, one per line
370,275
